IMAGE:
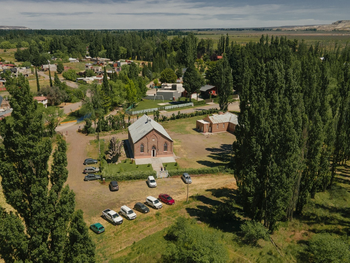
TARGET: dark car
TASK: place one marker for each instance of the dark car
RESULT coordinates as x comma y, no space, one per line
91,177
90,161
166,199
113,186
141,208
97,228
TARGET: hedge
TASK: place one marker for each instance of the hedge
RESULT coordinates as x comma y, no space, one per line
213,170
125,176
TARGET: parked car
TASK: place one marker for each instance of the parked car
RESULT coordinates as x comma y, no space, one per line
127,212
151,182
141,208
153,202
90,161
91,177
166,199
112,216
97,228
186,178
91,169
113,186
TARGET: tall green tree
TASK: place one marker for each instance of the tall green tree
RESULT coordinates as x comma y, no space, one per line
60,67
50,76
168,76
37,80
192,80
43,205
106,93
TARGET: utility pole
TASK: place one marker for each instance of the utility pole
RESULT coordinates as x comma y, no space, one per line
187,194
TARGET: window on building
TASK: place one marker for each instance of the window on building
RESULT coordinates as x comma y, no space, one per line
217,126
165,147
223,125
142,148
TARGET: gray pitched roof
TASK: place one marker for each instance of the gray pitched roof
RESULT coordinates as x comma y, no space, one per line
143,126
227,117
206,87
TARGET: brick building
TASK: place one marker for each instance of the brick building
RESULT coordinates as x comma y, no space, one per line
148,139
218,123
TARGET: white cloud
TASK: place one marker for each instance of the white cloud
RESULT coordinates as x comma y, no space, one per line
153,14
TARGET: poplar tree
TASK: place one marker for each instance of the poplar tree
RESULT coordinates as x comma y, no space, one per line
43,205
106,93
37,80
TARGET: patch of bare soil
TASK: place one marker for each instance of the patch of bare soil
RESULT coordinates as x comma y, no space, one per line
202,150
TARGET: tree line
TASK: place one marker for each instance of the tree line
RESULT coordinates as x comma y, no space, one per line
293,127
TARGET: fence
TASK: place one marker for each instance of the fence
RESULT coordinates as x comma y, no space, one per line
141,111
190,104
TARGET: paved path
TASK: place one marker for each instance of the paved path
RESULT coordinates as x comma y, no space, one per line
71,84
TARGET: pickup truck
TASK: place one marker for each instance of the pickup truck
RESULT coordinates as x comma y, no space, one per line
112,216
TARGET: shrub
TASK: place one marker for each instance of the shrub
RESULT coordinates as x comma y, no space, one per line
252,231
328,248
126,176
206,170
70,75
188,242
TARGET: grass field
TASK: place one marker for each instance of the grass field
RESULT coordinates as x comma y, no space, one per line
126,166
328,212
9,55
326,39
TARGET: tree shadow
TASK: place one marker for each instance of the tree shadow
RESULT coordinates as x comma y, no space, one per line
225,215
127,149
329,218
220,155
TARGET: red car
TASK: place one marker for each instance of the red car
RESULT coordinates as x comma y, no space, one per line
166,199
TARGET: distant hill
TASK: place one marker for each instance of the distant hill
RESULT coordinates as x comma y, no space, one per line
341,25
13,27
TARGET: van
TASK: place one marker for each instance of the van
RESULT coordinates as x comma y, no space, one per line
153,202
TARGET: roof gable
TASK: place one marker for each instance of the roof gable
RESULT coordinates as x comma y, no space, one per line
221,118
143,126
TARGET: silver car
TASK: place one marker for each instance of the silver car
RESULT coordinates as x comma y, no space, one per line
186,178
91,169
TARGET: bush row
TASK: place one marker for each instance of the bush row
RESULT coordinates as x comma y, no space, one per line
208,170
126,176
180,115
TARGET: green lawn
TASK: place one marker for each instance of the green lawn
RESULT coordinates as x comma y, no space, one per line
171,166
148,104
126,166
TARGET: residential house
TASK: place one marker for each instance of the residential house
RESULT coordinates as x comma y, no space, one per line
208,90
42,99
2,84
73,60
217,123
5,109
52,67
148,139
170,91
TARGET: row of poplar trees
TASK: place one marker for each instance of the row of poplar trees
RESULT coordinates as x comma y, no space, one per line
42,224
294,125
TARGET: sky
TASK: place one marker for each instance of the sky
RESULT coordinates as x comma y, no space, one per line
169,14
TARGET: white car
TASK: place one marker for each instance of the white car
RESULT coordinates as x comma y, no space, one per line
153,202
112,216
151,182
127,212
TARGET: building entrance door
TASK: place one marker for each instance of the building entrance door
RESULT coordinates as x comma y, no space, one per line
154,151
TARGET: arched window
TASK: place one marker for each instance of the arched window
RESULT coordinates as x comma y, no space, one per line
142,148
165,147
